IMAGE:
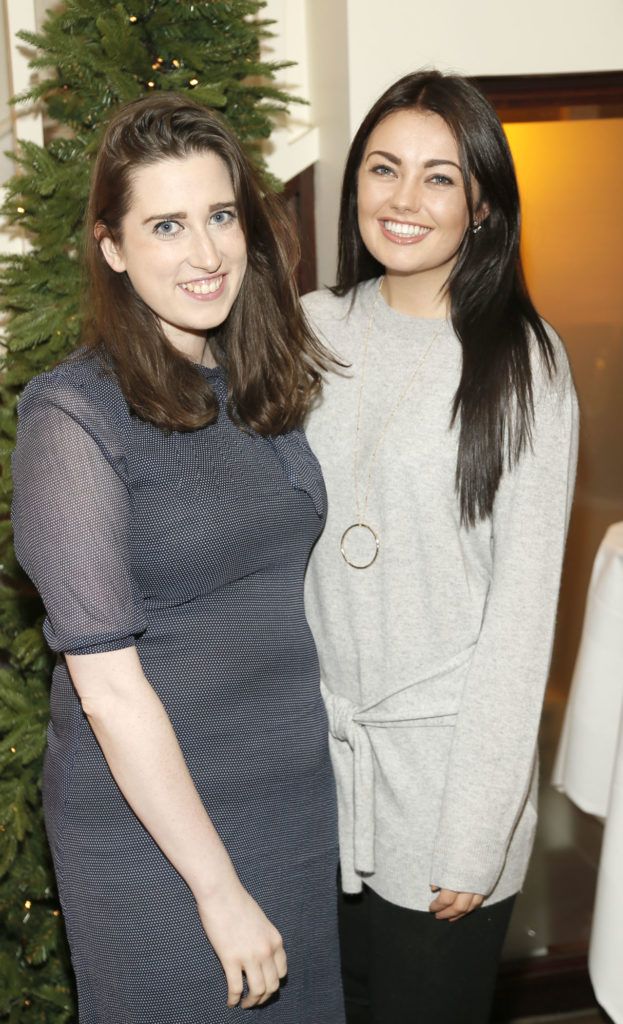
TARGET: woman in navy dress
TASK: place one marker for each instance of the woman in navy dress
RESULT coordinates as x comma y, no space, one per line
165,505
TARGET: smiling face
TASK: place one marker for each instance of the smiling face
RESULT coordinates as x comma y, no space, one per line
411,203
182,246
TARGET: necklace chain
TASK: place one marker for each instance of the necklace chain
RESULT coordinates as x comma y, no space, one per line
361,502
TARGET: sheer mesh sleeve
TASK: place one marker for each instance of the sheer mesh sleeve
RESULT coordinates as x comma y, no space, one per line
70,517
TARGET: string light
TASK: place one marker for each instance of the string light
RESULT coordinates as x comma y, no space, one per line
56,913
14,750
151,85
193,82
28,904
133,19
20,209
176,63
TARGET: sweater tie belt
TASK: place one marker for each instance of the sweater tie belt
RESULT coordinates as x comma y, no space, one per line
432,699
355,783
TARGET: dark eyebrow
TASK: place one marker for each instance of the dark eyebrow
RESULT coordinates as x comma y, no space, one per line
388,156
396,159
436,163
181,214
165,216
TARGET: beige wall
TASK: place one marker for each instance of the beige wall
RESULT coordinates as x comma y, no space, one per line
483,37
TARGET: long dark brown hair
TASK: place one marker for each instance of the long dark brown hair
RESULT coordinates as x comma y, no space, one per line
491,311
273,360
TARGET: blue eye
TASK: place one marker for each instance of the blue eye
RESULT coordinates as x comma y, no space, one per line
382,170
223,217
167,228
441,179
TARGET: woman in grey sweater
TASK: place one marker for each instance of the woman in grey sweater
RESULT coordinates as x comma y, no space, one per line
449,446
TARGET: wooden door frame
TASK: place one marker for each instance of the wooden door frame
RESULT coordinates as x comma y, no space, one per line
554,97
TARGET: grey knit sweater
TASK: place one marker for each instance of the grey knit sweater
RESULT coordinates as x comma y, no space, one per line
433,660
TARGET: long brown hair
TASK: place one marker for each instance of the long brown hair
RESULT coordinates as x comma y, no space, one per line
492,314
273,360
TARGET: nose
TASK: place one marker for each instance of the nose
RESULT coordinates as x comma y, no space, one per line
407,195
204,253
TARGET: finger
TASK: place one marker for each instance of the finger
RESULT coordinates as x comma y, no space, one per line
233,977
281,962
271,980
444,898
459,906
465,903
256,986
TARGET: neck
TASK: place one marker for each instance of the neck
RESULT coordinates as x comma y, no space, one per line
417,294
194,346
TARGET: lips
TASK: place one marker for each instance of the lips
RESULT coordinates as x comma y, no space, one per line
204,289
404,233
204,286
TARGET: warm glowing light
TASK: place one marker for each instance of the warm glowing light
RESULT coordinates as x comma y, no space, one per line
175,63
27,904
20,209
193,82
14,750
133,19
151,85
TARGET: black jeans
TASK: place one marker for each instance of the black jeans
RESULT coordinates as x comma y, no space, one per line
404,967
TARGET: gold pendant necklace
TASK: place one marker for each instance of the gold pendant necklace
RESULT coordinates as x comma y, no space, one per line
360,543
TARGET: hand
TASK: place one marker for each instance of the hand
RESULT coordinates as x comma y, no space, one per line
245,942
450,906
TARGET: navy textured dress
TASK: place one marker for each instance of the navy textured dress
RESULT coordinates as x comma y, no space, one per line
192,546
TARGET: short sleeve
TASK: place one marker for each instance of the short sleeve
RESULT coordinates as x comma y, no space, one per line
70,515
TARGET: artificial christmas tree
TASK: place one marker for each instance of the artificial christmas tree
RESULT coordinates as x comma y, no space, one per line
95,55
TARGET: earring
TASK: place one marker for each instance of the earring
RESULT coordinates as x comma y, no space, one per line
476,228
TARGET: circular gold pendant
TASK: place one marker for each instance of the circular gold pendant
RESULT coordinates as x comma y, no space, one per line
359,546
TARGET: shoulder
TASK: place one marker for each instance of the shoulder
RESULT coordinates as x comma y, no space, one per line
79,383
73,405
551,371
334,317
323,306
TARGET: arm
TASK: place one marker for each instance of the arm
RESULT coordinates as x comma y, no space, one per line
139,744
494,744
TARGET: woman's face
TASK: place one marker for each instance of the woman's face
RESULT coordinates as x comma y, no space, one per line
182,245
411,201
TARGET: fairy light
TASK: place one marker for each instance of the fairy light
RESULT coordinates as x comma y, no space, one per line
14,750
20,209
151,85
176,63
133,19
193,82
27,904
